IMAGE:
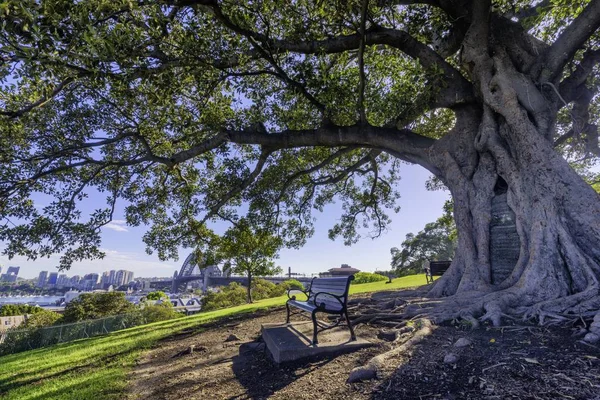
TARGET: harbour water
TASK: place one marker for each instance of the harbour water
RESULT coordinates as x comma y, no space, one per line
39,300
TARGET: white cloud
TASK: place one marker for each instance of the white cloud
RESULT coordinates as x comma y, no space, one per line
118,225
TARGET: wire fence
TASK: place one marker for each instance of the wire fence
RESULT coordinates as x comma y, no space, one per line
16,340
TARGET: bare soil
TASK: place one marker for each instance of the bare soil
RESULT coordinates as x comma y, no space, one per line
513,362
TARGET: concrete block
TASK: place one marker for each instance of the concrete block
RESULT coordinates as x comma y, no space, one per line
290,342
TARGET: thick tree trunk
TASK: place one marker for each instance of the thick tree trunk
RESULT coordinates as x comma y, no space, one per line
553,217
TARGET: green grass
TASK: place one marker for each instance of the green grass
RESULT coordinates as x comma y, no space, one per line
97,368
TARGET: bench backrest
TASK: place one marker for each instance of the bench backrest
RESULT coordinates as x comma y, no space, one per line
337,286
437,268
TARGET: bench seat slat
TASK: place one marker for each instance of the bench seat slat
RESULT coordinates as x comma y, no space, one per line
304,305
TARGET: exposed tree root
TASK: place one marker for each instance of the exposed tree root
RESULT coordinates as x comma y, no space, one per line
372,369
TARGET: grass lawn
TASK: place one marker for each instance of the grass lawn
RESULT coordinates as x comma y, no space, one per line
97,368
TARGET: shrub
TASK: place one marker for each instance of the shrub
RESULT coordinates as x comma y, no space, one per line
368,277
231,295
42,318
10,310
158,312
284,286
157,295
97,305
262,289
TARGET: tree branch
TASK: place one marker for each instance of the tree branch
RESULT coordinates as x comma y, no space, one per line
40,102
244,184
571,40
361,64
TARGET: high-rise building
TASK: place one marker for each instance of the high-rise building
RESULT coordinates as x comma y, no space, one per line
62,280
129,277
74,281
89,281
42,278
119,278
112,277
11,274
105,280
52,278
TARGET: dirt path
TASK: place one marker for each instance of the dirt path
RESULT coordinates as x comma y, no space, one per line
510,363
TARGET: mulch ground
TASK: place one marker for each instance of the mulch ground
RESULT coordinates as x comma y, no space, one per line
514,362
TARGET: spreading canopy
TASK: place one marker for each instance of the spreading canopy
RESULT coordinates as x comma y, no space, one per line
190,111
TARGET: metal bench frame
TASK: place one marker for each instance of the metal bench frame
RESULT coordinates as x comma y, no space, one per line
319,326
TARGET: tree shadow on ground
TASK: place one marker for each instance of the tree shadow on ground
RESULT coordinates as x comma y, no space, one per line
261,377
513,362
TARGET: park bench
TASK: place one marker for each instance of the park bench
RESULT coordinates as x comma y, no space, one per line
436,268
325,295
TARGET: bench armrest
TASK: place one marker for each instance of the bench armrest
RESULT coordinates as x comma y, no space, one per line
291,293
338,298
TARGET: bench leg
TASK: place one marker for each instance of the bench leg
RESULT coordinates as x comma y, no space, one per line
287,321
314,320
352,335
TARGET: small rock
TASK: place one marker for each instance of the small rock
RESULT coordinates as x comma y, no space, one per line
597,317
462,342
450,358
592,337
232,338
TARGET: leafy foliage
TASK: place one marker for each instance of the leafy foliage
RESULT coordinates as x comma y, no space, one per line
189,112
235,294
156,295
437,241
9,310
229,296
97,305
250,251
43,318
367,277
158,312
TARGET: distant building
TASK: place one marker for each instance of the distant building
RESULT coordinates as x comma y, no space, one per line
112,277
10,322
42,278
52,278
105,280
74,281
11,274
344,270
62,280
89,282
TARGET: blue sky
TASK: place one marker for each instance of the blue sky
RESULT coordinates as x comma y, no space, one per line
125,250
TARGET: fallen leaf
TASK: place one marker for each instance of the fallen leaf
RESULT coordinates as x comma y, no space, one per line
492,340
531,360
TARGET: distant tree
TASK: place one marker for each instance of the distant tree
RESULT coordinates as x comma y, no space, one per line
157,295
10,310
250,251
437,241
42,318
97,305
159,312
231,295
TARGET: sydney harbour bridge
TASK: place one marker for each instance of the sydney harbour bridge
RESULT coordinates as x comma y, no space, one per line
211,275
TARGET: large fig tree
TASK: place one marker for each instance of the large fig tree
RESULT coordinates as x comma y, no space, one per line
191,111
